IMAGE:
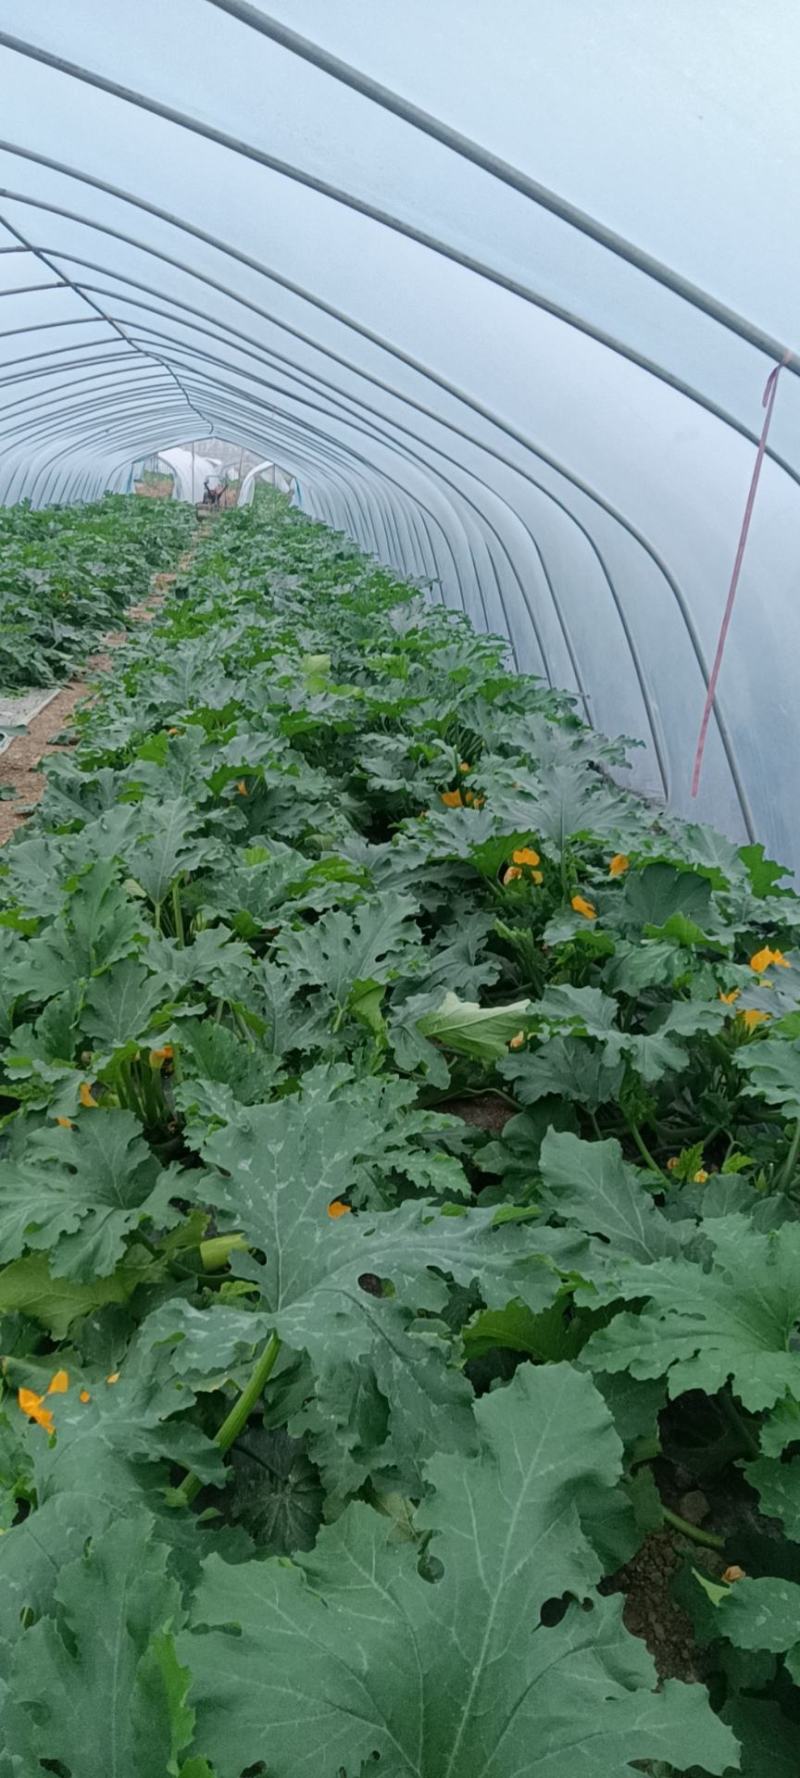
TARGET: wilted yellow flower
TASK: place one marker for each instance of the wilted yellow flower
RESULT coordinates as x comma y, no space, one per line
84,1395
700,1177
114,1377
526,855
337,1209
511,873
537,876
753,1016
672,1163
515,1043
764,958
619,864
584,907
734,1573
65,1123
464,767
164,1054
85,1096
242,787
452,799
728,999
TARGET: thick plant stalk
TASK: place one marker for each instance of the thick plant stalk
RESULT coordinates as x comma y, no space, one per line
695,1532
237,1418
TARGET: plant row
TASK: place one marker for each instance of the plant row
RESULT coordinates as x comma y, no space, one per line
68,574
398,1216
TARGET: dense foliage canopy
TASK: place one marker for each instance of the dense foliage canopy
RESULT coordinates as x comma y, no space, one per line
398,1198
69,573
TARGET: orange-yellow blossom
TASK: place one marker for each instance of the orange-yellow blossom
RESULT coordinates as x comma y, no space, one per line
164,1054
752,1017
452,799
619,864
33,1408
85,1096
728,999
515,1043
764,958
337,1209
526,855
584,907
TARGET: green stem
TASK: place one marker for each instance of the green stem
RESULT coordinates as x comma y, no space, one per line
708,1538
790,1163
178,913
749,1442
237,1418
644,1151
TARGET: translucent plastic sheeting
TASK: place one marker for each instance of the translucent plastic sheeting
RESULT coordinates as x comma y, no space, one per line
500,287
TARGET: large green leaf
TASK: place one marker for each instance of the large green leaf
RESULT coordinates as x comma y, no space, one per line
343,949
169,844
101,1681
778,1488
701,1328
286,1163
772,1068
79,1192
351,1655
589,1183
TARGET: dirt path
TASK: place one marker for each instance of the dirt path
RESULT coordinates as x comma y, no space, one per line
19,765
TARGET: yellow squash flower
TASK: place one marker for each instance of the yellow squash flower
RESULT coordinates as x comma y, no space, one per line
464,767
65,1123
164,1054
242,787
728,999
619,864
452,799
85,1096
584,907
515,1043
337,1209
764,958
752,1017
114,1377
526,855
510,875
700,1177
84,1395
33,1408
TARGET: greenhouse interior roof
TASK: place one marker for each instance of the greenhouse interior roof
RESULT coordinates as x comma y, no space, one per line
500,287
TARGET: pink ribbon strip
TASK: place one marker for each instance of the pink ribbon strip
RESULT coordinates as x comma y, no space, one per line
768,402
